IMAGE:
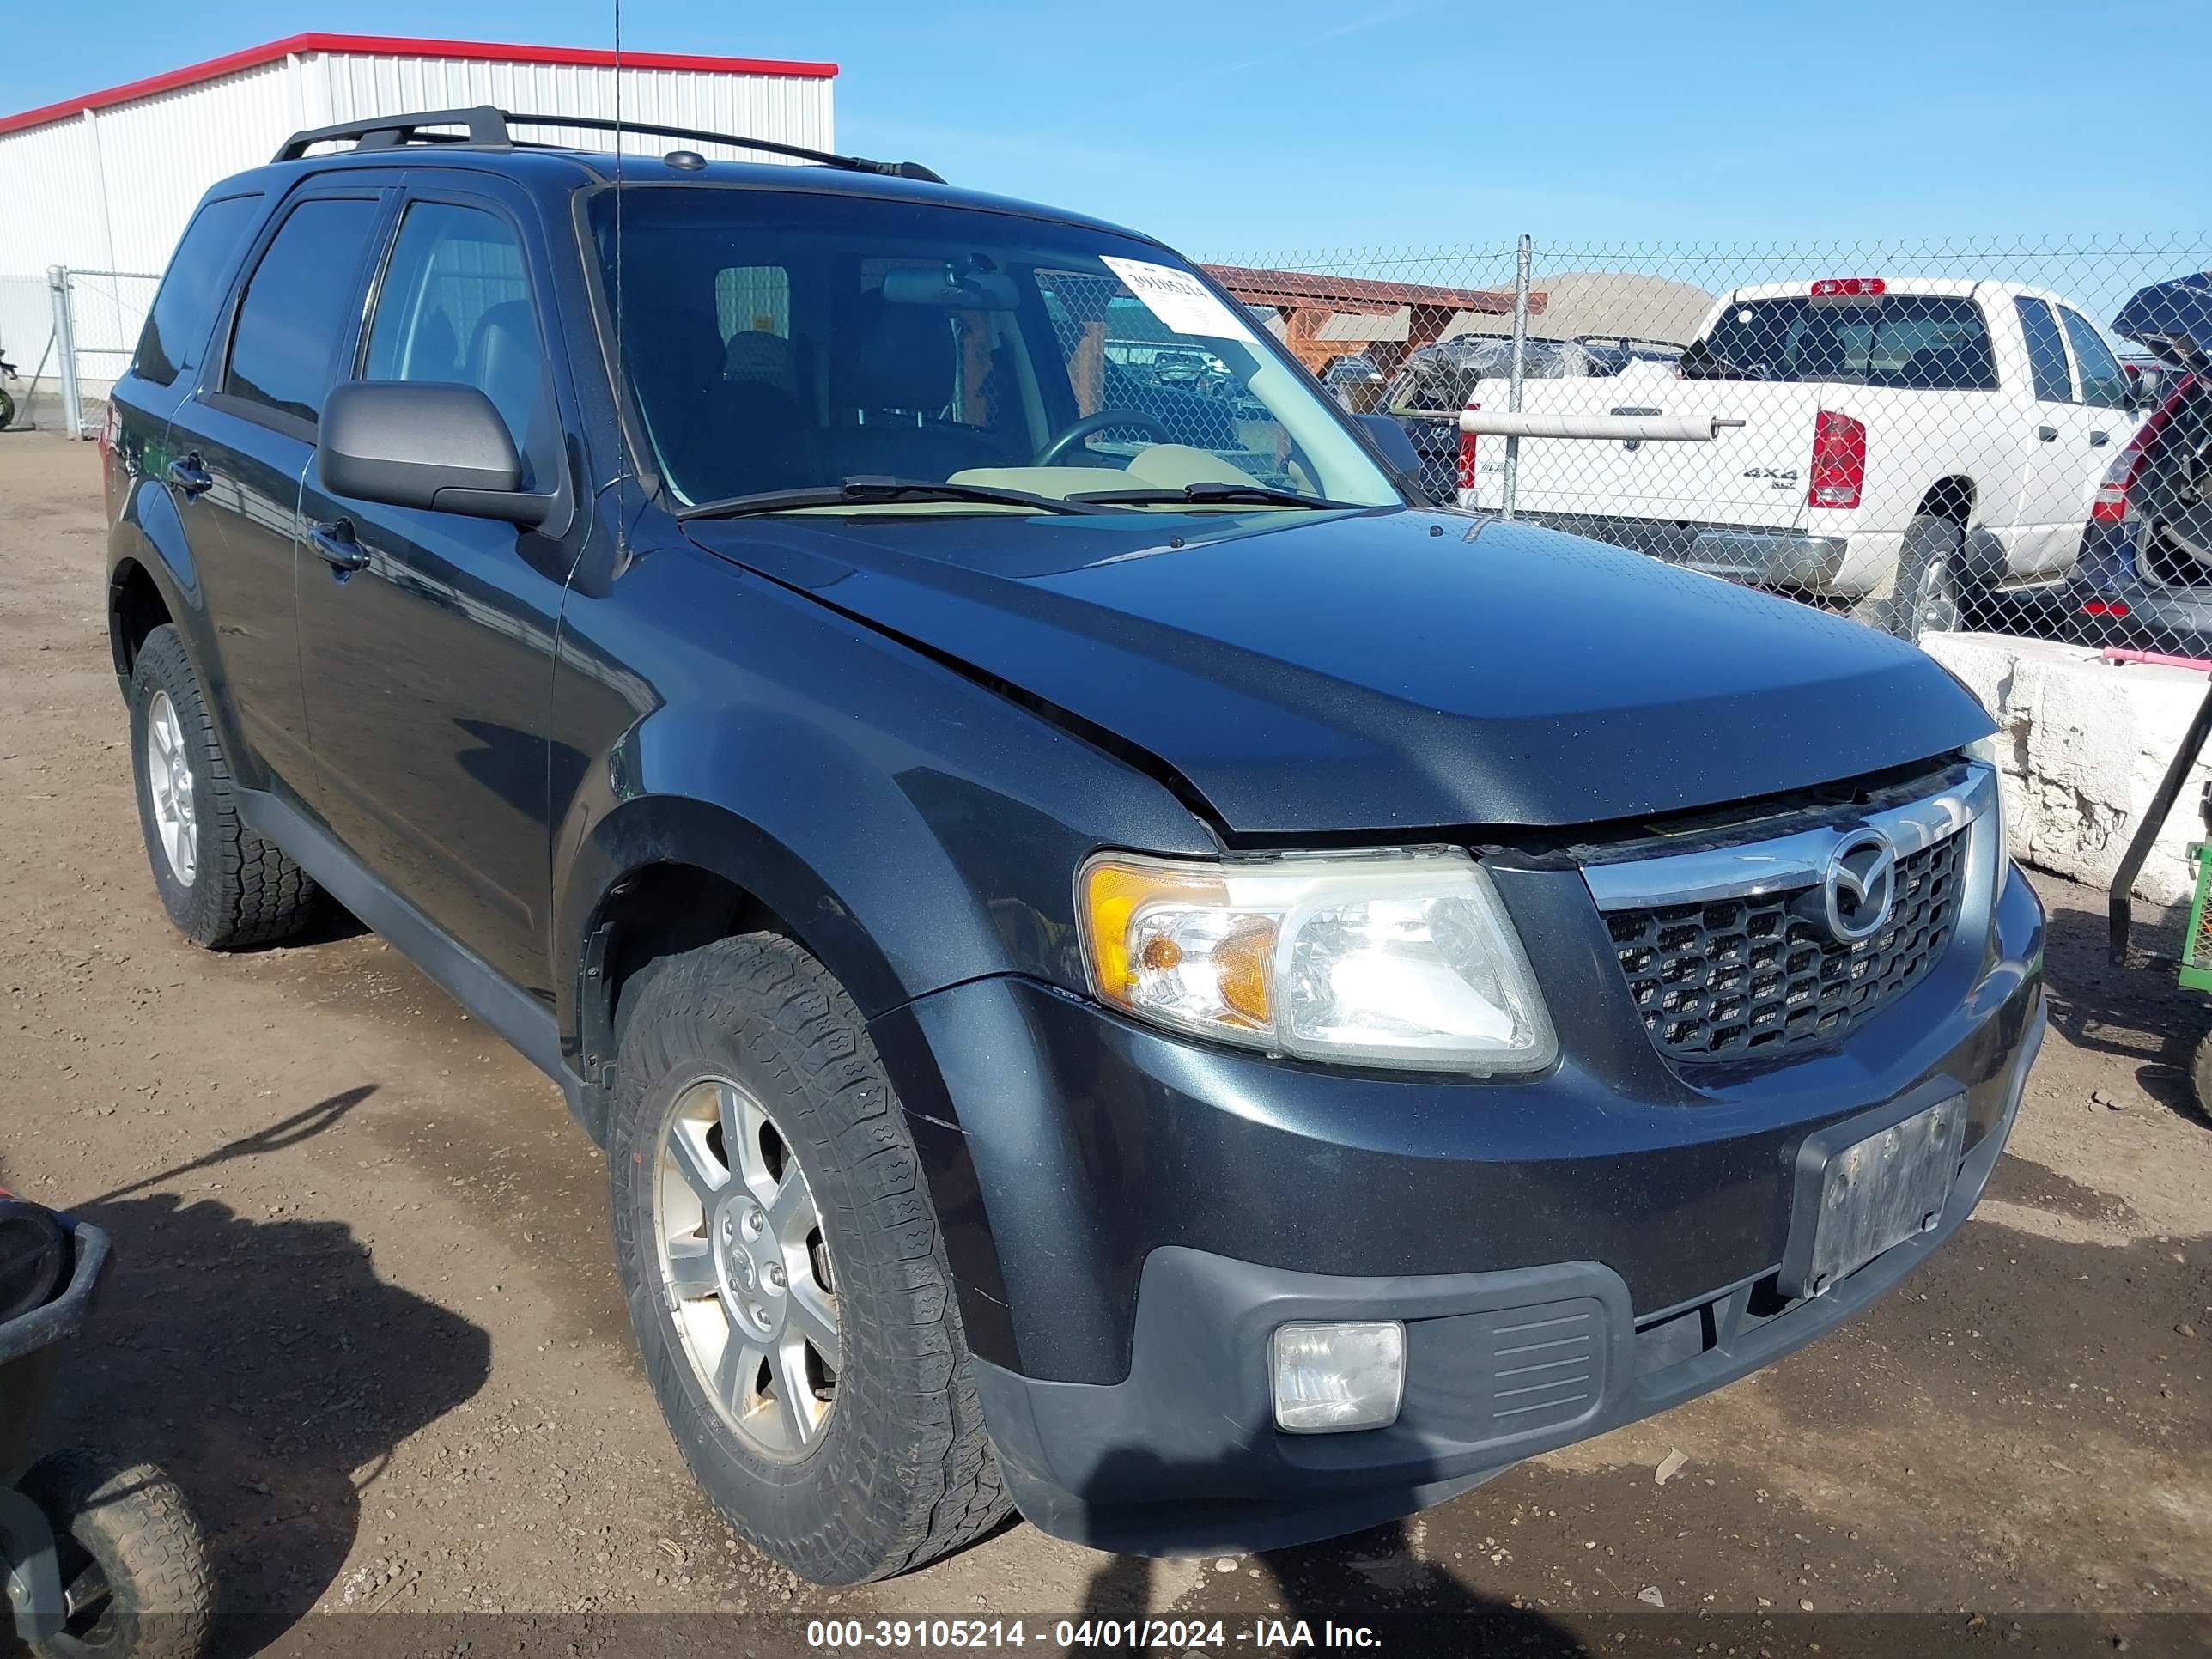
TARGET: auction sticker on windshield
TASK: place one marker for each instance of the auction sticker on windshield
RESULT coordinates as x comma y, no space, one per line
1178,299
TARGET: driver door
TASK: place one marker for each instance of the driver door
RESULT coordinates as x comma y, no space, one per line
428,637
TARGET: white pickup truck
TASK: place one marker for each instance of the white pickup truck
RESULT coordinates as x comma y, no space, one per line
1908,445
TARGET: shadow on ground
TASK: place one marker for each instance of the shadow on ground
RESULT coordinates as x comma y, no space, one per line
268,1368
2136,1014
1374,1580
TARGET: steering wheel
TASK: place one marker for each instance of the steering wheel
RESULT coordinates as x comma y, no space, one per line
1076,431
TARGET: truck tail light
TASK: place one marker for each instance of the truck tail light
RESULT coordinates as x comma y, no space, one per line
2111,503
1467,457
1838,471
1849,288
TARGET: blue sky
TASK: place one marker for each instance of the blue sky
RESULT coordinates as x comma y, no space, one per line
1307,125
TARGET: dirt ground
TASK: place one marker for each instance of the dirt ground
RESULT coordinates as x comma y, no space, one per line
365,1309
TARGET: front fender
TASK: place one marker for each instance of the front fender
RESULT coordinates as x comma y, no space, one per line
914,829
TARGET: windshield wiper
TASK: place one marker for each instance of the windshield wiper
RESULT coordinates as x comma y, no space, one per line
1205,495
866,488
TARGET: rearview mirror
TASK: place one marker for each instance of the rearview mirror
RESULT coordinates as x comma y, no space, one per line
929,285
425,444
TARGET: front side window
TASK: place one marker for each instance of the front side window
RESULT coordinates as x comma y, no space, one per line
2103,385
455,307
284,349
2046,352
1902,342
192,291
792,340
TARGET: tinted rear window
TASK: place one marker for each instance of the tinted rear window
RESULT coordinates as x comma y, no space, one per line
295,306
1908,341
193,292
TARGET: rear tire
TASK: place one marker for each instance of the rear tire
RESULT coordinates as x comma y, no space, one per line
224,886
876,1461
1931,586
132,1557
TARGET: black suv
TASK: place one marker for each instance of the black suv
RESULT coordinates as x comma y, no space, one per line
1122,966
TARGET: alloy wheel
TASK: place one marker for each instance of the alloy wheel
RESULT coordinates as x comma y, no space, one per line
169,785
1935,607
744,1268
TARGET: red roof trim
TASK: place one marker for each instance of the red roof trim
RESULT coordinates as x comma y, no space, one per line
405,46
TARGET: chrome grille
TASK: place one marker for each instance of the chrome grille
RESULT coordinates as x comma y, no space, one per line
1733,976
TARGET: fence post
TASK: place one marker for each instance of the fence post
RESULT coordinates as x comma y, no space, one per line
1521,263
58,283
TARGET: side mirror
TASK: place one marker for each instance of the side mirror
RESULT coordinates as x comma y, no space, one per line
424,444
1387,435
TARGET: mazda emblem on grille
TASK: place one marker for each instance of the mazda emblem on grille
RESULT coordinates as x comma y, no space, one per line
1860,880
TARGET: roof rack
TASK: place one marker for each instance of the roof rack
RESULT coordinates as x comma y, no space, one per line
487,128
490,129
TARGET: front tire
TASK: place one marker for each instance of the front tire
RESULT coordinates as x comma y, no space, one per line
133,1562
783,1268
224,886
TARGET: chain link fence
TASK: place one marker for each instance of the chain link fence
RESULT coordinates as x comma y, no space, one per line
67,335
1973,435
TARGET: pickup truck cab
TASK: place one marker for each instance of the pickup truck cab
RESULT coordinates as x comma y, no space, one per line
1123,966
1915,443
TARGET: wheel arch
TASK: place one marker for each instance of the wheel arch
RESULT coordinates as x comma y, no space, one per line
1982,553
1951,498
660,875
151,579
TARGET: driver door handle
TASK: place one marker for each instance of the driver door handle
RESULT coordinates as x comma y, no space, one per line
336,546
2048,434
186,473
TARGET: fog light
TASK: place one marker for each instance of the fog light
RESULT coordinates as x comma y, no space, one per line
1329,1378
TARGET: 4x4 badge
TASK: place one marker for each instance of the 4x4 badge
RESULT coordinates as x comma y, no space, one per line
1860,883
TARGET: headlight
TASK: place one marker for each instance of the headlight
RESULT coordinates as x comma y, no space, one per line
1984,750
1404,959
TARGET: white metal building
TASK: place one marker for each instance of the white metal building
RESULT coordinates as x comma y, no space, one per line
105,182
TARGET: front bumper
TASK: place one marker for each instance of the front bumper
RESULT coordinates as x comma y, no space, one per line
1128,1216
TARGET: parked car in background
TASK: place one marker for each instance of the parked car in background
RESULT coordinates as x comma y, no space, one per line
2145,579
1449,375
1609,354
1121,966
2148,378
1356,382
1912,445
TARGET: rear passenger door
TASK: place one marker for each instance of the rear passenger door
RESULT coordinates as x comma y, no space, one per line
2103,389
428,637
238,451
2053,504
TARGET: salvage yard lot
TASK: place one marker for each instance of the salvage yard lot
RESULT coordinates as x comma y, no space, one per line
366,1310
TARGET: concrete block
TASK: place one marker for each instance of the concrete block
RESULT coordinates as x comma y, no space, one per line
2083,744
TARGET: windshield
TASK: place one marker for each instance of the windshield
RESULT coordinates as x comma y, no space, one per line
1908,341
785,340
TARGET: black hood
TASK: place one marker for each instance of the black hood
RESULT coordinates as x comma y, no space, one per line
1311,673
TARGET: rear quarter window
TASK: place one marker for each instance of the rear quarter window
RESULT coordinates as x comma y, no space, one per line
1904,341
192,291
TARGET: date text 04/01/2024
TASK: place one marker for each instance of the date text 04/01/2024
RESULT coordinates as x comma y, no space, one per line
1178,1635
